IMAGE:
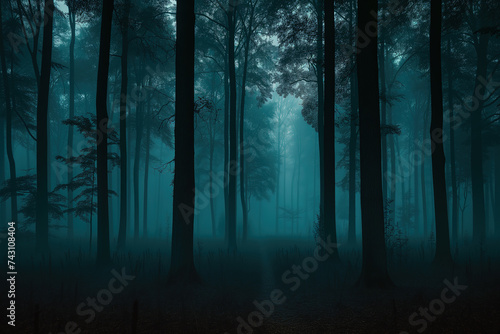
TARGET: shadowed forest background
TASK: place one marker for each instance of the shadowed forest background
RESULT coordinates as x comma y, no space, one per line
251,166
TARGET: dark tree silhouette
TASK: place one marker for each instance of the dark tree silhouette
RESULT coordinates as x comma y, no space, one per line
8,125
103,252
329,124
42,216
374,265
443,254
122,231
231,19
182,265
476,140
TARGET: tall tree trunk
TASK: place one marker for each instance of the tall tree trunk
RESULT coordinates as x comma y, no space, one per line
243,195
146,170
226,142
443,253
321,111
454,191
8,124
42,198
497,192
72,24
424,200
233,165
478,207
353,139
122,231
182,265
137,158
329,127
103,252
374,265
383,95
278,172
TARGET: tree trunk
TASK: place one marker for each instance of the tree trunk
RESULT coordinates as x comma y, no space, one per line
443,253
72,24
321,111
278,172
103,252
42,198
182,265
424,196
137,158
497,192
146,170
329,127
383,95
8,124
243,195
454,191
226,143
374,265
353,138
478,207
233,165
122,231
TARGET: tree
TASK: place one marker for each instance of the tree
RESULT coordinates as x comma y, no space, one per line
8,124
476,157
42,217
329,125
182,264
103,252
374,265
443,253
232,163
122,232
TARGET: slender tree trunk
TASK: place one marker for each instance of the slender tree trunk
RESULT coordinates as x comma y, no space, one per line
137,159
329,127
226,142
233,165
297,200
122,231
424,196
146,170
8,124
72,24
374,265
243,195
454,191
353,138
278,172
103,252
321,111
383,91
443,253
212,205
497,192
42,198
392,185
478,206
182,264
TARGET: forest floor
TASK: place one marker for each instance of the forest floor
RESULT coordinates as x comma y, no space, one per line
54,293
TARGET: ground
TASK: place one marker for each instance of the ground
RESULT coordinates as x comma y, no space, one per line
49,290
